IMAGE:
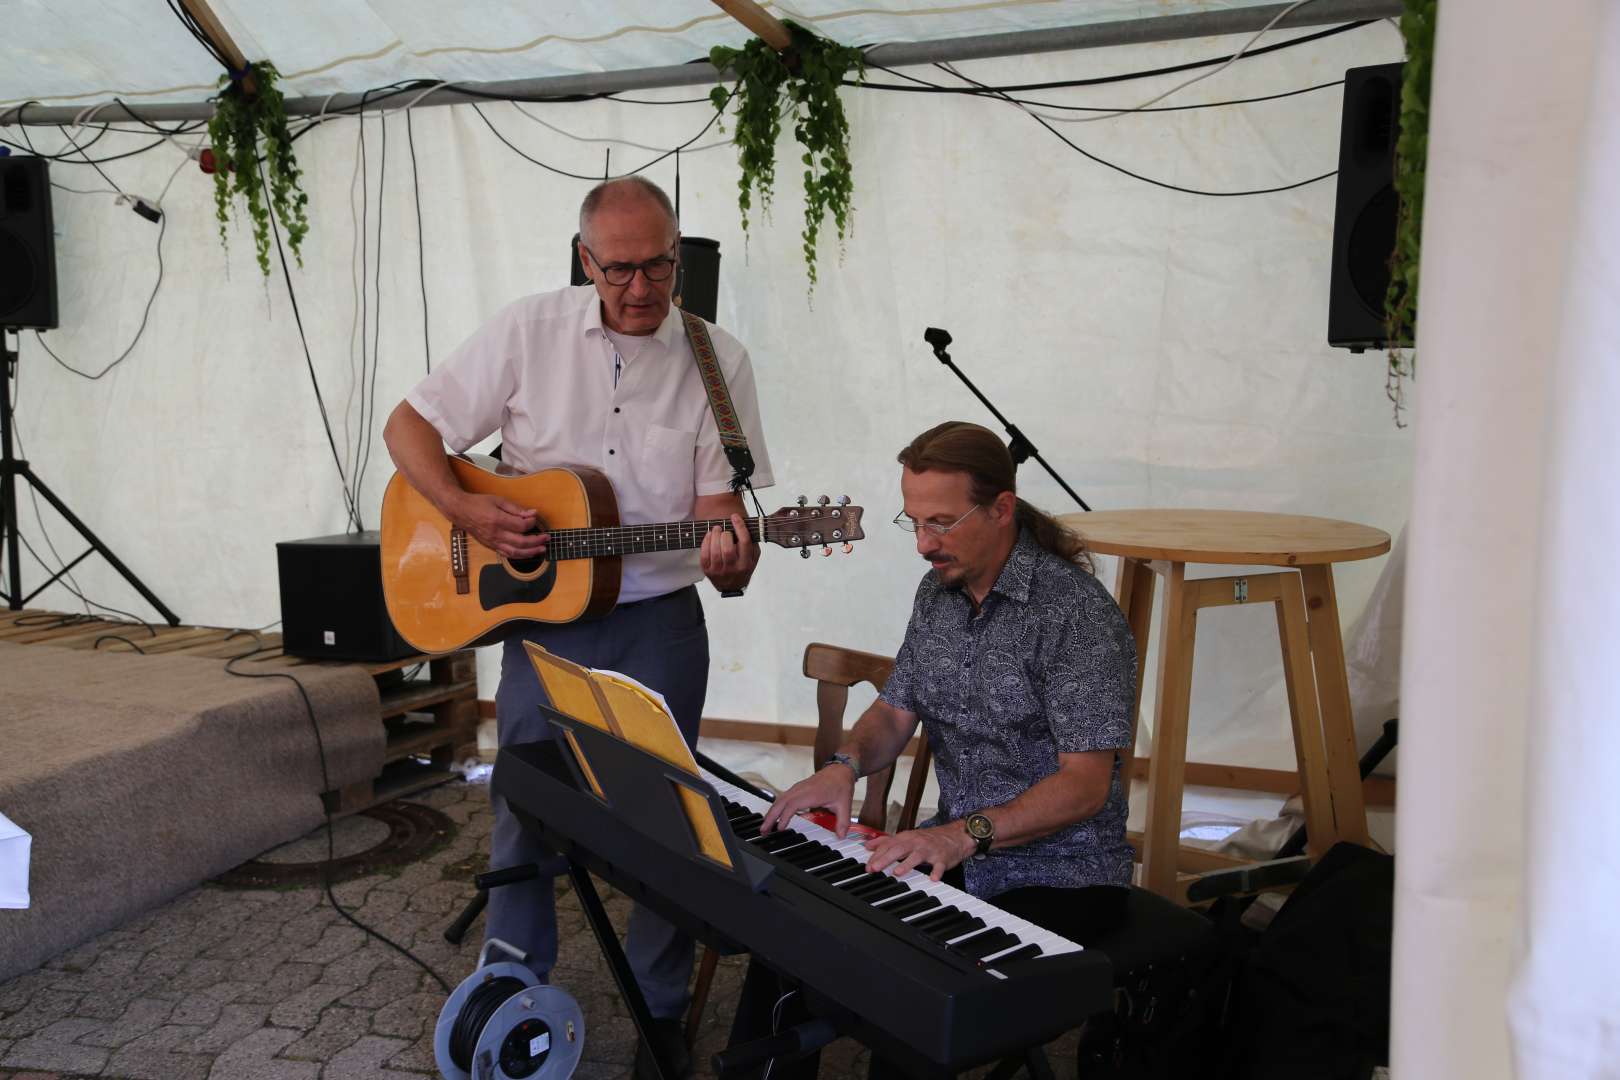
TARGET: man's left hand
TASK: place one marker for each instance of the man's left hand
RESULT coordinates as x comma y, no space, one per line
941,847
729,557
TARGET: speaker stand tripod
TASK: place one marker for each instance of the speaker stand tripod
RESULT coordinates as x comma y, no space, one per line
13,469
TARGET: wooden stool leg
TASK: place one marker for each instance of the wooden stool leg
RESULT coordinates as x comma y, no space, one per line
1161,836
1338,725
700,994
1315,783
1134,593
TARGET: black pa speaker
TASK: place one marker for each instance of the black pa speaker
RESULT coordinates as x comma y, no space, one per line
332,600
697,281
1364,213
27,245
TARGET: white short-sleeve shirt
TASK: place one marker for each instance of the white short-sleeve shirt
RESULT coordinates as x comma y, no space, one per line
542,373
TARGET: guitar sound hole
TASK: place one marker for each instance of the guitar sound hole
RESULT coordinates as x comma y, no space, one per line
530,565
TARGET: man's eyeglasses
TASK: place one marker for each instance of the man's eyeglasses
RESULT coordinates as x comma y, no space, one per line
657,269
911,524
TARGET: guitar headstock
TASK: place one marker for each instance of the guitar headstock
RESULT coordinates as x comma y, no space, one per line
822,525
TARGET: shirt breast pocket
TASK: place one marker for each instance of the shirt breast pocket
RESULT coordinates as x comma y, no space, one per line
666,463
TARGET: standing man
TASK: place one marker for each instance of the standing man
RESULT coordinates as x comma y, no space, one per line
600,376
1022,671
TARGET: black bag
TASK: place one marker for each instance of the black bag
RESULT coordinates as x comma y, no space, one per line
1312,998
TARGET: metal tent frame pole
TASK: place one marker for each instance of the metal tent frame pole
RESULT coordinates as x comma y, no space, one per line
1091,36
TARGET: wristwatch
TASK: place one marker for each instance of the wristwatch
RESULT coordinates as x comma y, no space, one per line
983,831
848,760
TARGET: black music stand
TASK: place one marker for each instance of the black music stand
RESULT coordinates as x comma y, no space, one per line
13,469
638,792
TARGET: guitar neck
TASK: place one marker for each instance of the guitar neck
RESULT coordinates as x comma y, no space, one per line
634,539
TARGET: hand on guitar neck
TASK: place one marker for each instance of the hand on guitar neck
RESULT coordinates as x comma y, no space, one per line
728,556
500,524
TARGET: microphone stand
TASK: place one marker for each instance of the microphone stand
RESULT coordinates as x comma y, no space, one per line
1018,446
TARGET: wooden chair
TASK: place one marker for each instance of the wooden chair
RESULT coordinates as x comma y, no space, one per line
835,670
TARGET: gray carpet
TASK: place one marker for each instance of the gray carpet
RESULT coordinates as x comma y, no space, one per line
141,776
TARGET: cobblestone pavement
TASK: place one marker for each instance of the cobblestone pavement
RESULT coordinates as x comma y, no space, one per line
228,984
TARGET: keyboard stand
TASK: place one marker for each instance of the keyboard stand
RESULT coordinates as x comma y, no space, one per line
639,790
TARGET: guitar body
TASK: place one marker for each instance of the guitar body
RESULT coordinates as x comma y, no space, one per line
446,591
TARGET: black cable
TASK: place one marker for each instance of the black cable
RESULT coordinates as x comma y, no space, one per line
595,179
186,127
368,395
1100,80
197,32
66,160
81,150
309,362
1148,179
115,637
1116,109
365,303
482,1004
326,785
163,226
421,255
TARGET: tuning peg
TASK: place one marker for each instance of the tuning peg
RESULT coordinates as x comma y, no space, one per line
803,500
804,553
848,547
843,500
826,551
823,501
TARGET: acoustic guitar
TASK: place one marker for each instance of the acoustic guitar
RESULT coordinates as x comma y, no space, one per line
446,591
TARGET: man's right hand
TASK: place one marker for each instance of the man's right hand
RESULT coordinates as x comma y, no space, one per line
501,524
833,788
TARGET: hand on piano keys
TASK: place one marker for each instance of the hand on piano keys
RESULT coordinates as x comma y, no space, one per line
940,915
831,789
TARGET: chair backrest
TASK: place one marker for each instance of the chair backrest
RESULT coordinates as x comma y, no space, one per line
835,670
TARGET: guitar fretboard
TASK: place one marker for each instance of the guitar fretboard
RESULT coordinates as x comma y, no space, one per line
635,539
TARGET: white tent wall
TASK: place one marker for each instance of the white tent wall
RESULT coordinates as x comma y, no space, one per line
1162,349
1508,836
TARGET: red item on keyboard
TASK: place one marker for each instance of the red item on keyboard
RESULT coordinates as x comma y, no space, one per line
828,820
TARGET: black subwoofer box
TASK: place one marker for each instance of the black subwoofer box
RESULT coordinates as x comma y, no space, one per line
27,245
332,600
1365,207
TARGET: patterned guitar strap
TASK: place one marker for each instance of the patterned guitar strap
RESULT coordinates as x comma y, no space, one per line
732,439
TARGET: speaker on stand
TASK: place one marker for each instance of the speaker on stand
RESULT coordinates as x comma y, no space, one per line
1365,208
28,302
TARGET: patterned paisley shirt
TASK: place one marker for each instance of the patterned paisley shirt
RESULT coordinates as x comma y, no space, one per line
1047,665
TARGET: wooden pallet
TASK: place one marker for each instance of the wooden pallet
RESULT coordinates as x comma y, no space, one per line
430,721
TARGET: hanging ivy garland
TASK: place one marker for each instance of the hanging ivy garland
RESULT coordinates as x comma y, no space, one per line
240,123
1411,158
802,83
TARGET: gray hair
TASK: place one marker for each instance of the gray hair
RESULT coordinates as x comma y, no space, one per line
625,187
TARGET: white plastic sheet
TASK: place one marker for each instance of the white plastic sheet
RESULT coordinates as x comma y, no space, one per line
14,854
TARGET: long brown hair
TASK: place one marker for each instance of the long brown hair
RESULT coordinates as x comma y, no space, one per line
961,447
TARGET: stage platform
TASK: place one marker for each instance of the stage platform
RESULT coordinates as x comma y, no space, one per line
142,768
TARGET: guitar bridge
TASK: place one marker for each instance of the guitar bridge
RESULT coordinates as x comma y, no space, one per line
458,560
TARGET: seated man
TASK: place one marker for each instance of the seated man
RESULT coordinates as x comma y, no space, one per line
1022,670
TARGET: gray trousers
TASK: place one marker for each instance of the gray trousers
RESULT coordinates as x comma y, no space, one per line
662,643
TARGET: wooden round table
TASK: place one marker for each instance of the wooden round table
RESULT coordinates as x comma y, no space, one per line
1162,542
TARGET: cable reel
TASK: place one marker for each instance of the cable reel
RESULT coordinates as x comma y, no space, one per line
503,1023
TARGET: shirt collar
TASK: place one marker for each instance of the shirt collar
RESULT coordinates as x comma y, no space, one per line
664,335
1019,569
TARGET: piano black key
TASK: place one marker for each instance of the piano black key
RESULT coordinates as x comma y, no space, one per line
863,881
934,918
777,841
810,855
954,928
882,891
914,904
839,870
993,940
1024,953
750,822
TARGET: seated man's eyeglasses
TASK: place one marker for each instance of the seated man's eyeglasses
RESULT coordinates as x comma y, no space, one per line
911,524
623,273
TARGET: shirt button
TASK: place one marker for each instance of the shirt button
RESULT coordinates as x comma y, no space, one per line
610,451
615,408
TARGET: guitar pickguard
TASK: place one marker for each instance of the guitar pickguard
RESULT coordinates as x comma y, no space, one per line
497,588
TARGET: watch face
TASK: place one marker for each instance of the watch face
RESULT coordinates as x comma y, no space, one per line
980,827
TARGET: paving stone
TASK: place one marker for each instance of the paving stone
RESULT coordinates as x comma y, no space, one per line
337,1029
441,897
364,1061
201,973
236,1022
69,1030
385,986
336,941
358,967
143,1016
155,1056
282,982
408,1017
43,1008
40,1053
254,1058
19,991
417,1057
303,1009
